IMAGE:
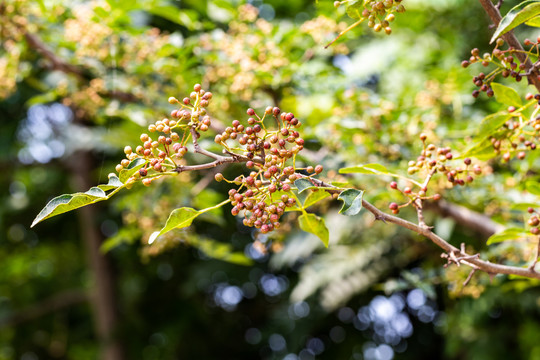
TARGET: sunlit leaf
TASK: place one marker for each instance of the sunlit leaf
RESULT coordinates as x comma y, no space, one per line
524,206
133,166
491,123
68,202
506,95
314,224
314,197
354,9
507,235
178,219
114,182
519,14
535,22
533,187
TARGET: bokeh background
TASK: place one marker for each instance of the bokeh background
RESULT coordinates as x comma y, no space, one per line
79,80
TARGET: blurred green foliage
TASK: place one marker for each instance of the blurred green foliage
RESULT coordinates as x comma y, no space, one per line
377,292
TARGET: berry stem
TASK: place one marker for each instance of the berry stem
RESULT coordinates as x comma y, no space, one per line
345,31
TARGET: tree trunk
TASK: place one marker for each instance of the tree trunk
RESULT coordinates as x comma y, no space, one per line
103,295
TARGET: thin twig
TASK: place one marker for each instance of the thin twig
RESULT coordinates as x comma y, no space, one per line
469,277
199,150
464,258
419,212
57,63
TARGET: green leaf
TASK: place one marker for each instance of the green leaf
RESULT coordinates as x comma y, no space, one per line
68,202
354,9
517,15
493,122
303,184
133,166
178,219
313,224
43,98
373,169
535,22
114,182
365,169
524,206
481,150
220,251
42,6
506,95
314,197
533,187
506,235
178,16
352,201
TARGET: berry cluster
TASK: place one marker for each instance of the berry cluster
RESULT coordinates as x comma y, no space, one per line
506,62
162,153
518,134
434,160
533,221
379,14
270,154
265,193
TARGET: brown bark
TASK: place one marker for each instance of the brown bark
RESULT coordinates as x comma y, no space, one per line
465,217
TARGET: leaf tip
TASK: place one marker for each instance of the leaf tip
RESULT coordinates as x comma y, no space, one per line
153,237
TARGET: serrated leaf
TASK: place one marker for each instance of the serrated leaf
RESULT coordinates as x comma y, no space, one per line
178,219
517,15
491,123
133,166
314,197
533,187
314,224
352,201
68,202
506,235
303,184
506,95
